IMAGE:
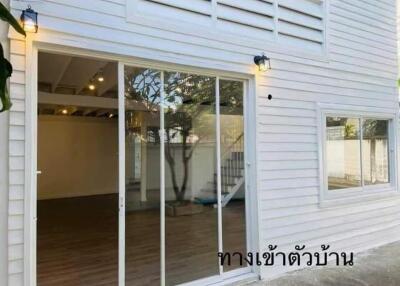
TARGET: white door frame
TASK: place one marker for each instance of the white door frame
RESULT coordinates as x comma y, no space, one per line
30,199
121,175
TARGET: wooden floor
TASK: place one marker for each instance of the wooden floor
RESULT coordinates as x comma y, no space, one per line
78,243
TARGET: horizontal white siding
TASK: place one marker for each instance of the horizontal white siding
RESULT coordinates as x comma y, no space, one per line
16,165
359,70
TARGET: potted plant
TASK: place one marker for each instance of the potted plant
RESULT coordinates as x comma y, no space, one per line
5,66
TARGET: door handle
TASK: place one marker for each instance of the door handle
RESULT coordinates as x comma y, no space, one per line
38,172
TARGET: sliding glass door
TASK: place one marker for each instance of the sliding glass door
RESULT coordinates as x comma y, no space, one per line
182,189
191,232
233,191
142,90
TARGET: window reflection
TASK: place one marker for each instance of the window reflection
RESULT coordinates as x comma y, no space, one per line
142,176
343,152
232,170
190,153
190,161
375,152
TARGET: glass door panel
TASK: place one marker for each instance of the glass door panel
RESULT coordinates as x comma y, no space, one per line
184,171
190,178
142,176
233,183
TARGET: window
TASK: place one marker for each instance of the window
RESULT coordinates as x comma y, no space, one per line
356,152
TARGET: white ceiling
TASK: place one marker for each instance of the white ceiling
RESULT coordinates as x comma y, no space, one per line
65,80
71,75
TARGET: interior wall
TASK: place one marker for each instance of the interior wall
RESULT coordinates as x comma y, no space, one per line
78,156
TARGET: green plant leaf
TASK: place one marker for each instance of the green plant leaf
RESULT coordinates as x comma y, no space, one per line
5,66
6,16
5,73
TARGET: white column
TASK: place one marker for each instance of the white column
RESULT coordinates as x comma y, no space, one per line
219,179
143,167
162,184
121,175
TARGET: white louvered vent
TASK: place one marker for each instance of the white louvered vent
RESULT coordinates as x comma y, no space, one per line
198,12
301,23
254,18
298,23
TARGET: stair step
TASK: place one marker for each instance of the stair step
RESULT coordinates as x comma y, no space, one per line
224,184
232,168
229,176
232,172
235,161
237,155
228,185
211,190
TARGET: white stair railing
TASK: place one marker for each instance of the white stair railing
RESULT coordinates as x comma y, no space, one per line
232,169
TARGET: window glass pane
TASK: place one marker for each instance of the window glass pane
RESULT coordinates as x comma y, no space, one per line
190,167
232,170
375,151
343,152
142,176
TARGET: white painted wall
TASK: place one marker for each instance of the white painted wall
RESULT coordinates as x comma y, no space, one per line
4,121
77,156
359,70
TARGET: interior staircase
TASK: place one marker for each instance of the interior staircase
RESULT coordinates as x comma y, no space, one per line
232,175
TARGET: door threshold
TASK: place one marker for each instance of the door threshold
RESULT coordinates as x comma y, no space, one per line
240,280
237,280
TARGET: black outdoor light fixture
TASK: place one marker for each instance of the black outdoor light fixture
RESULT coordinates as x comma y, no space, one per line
263,62
29,19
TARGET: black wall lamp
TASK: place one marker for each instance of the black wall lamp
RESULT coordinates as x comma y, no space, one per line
263,62
29,19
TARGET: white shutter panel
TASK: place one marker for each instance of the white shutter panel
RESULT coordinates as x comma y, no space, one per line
297,23
301,23
253,18
192,11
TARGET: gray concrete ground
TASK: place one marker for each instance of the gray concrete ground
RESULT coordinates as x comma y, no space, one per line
378,267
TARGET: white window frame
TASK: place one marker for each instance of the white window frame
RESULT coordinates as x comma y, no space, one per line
370,192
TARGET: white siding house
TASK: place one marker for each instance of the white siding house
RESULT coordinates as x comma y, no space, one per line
330,58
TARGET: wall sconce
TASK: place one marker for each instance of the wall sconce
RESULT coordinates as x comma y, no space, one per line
263,62
29,19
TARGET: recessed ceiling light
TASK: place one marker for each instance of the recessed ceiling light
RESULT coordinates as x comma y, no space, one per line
100,76
64,111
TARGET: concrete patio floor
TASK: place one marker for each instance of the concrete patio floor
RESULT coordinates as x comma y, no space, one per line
377,267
